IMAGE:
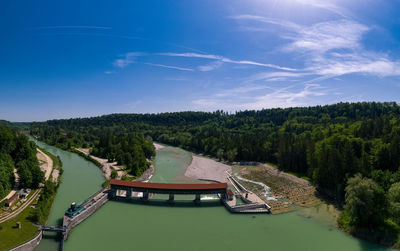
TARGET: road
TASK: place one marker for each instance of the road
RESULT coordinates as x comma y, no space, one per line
21,208
47,167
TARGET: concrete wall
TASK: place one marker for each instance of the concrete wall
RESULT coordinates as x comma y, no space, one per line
72,222
30,245
245,207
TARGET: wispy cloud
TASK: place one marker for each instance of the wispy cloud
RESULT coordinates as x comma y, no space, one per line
130,57
127,59
241,90
268,20
225,60
331,48
210,67
170,67
281,97
327,36
326,5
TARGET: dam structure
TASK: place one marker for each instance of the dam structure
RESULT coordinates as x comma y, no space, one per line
147,188
124,190
79,212
127,190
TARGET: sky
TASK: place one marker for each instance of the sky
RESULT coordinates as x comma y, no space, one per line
64,59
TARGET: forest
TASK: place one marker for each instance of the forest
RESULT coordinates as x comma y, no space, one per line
330,145
115,143
16,151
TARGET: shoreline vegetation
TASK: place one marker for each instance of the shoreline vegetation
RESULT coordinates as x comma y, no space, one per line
112,170
36,211
327,145
287,191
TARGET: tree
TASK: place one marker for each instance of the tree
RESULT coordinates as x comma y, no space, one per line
114,174
394,200
366,202
231,154
25,175
220,154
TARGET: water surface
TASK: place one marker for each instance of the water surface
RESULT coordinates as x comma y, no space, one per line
159,226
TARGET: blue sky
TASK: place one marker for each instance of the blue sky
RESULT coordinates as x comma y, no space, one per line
62,59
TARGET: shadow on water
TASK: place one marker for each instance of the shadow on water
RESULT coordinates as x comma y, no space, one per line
52,236
365,245
176,203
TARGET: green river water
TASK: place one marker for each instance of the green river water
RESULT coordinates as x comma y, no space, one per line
159,226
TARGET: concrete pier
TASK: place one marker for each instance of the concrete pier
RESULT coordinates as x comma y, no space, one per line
171,198
145,196
128,194
90,206
197,199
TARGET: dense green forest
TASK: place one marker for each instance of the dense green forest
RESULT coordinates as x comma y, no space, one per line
16,151
115,143
328,144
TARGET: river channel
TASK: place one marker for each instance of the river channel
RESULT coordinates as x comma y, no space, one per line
184,226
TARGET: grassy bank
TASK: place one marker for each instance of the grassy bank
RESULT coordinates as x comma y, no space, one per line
10,236
37,212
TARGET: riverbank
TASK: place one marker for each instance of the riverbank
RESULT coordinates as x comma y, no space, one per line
287,191
282,191
102,163
108,167
33,210
208,169
158,146
46,163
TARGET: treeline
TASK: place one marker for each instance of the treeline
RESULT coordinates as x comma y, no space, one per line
127,146
328,144
350,151
16,151
131,150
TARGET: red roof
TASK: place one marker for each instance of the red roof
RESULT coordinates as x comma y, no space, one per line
12,199
169,186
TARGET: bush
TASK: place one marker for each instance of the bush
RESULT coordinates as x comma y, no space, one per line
114,174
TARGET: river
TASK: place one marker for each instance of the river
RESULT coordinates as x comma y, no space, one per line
159,226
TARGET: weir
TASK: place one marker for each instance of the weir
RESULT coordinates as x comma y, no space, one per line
116,186
79,212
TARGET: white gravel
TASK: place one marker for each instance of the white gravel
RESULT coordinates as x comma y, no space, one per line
204,168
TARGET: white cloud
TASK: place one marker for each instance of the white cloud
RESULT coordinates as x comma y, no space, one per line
210,67
225,60
130,57
326,36
330,48
127,59
268,20
281,97
241,90
326,5
170,67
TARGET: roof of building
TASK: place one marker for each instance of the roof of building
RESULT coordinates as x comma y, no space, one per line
12,199
169,186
